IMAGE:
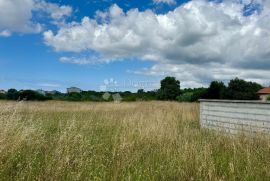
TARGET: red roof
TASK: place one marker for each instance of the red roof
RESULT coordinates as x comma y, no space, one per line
264,91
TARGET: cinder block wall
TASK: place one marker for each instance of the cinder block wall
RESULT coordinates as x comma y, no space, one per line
235,116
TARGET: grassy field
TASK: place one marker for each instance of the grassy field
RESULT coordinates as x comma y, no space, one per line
126,141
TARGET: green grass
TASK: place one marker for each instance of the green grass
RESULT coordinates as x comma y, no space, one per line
126,141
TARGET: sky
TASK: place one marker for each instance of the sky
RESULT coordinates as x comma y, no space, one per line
132,44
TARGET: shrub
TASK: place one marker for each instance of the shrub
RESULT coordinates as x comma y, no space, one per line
186,97
12,94
31,95
2,96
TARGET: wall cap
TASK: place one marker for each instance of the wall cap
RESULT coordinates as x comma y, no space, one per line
234,101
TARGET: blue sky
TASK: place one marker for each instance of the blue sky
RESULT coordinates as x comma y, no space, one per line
84,43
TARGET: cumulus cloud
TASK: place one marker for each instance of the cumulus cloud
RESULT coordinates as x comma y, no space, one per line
5,33
165,1
17,15
198,36
192,75
55,11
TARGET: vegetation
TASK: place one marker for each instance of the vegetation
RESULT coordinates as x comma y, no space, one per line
216,90
242,90
127,141
237,89
170,89
2,96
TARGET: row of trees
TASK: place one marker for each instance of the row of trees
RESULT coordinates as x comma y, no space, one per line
13,94
237,89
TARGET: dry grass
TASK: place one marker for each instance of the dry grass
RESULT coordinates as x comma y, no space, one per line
126,141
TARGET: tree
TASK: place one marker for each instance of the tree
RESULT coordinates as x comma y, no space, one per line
185,97
31,95
74,96
141,94
2,96
242,90
12,94
215,90
170,89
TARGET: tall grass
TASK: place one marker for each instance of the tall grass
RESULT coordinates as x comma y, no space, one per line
126,141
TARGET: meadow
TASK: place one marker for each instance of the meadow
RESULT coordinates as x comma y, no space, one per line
125,141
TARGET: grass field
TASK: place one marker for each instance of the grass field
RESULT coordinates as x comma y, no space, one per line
126,141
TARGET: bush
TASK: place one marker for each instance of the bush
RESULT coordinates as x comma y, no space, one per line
74,96
242,90
2,96
31,95
186,97
12,94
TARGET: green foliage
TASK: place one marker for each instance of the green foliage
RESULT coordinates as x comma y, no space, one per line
32,95
2,96
186,97
74,96
91,96
146,96
268,98
216,90
170,89
192,95
12,94
199,93
242,90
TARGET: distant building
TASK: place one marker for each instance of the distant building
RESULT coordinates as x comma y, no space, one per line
40,91
2,92
74,90
264,93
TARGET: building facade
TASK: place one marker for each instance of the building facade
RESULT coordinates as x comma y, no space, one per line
74,90
264,93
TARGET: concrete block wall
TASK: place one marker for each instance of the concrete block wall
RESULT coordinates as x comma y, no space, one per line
235,116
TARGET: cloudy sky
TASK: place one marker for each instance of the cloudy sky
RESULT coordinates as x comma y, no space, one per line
53,44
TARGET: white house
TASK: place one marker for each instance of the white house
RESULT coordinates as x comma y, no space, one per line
74,90
264,93
2,92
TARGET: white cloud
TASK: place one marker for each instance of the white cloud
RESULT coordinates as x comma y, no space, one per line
5,33
17,15
55,11
165,1
75,60
201,75
195,35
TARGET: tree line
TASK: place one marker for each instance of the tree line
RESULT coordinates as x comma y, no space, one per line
237,89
